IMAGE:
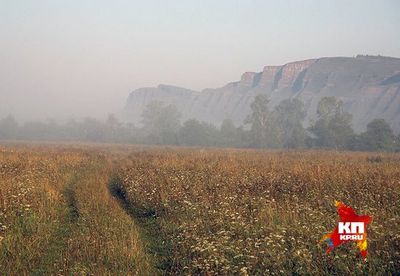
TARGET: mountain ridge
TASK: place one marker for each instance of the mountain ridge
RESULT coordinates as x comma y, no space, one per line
369,87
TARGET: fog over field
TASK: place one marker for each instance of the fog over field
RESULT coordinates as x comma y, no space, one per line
71,59
199,137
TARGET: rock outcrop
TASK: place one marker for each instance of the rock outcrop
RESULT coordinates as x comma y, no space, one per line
369,86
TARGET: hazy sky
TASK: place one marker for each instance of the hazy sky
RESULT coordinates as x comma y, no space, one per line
78,57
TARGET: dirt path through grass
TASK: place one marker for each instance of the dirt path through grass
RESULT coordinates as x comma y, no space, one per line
156,245
104,239
53,256
77,228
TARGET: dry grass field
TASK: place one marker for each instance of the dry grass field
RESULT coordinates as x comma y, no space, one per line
101,210
58,218
246,212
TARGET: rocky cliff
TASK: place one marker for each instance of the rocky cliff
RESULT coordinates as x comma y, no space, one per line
369,86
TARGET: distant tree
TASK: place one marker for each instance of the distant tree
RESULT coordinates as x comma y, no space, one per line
114,131
378,137
243,138
74,130
9,128
288,117
260,121
191,133
49,130
195,133
333,126
89,129
228,134
161,123
112,122
54,130
93,130
127,133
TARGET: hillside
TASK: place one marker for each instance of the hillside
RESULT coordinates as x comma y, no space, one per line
369,86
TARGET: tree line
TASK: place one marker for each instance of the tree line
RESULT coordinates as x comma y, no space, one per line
279,128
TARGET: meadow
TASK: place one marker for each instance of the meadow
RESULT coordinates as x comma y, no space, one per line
57,216
101,210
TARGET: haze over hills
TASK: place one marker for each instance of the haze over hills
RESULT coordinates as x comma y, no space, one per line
369,87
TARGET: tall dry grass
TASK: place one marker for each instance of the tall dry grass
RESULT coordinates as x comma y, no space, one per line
86,209
57,216
247,212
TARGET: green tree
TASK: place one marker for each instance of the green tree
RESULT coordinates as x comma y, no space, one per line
228,134
288,117
195,133
333,126
260,121
378,137
161,123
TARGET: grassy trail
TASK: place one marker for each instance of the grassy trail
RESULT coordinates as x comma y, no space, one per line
104,239
52,258
78,228
149,227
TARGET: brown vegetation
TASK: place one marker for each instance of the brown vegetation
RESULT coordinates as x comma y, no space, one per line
264,213
57,216
191,211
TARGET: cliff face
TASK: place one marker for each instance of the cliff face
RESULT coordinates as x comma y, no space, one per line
369,86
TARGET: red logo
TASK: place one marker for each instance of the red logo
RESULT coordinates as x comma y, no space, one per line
350,228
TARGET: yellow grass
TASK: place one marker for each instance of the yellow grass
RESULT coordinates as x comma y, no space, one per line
101,210
58,217
229,212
